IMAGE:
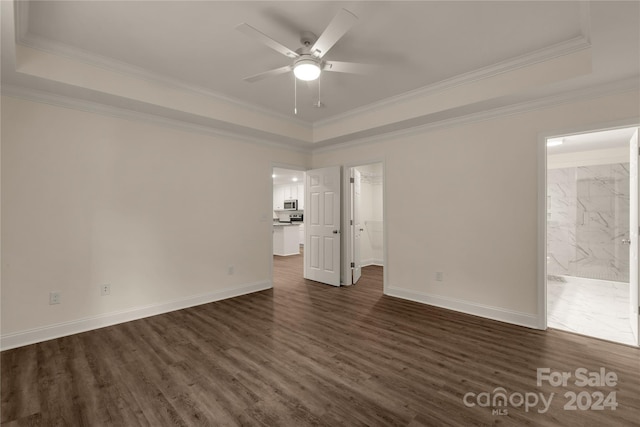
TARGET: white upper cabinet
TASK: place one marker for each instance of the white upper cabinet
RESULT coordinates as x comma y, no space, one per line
278,197
293,191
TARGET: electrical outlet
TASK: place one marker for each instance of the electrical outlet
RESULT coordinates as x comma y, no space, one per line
439,276
230,270
55,297
105,290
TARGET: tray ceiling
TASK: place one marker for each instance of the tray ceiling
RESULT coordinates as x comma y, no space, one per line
419,46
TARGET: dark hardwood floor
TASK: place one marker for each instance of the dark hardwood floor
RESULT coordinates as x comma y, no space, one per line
303,354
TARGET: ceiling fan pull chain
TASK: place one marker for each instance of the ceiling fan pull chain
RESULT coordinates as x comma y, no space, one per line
295,95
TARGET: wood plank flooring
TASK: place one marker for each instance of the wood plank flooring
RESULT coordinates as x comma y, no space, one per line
308,354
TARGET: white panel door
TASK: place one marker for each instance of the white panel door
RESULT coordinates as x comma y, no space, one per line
633,237
322,226
356,227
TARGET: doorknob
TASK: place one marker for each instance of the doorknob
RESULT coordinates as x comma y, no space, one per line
626,241
336,231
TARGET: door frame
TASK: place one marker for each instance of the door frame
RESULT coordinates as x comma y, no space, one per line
356,227
346,215
270,204
542,201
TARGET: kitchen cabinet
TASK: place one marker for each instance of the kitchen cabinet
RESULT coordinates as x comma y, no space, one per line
278,197
286,239
291,191
284,192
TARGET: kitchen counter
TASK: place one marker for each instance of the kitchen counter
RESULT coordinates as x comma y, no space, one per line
286,238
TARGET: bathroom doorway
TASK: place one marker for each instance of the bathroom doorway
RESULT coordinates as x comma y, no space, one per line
591,235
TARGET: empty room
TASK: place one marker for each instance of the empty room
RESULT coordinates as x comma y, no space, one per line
292,213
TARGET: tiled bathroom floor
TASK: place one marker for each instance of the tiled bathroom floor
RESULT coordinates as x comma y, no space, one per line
596,308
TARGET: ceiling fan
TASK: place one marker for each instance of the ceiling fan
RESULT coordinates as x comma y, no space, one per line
308,60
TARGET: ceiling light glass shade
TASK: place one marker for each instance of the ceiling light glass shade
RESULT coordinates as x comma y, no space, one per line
306,70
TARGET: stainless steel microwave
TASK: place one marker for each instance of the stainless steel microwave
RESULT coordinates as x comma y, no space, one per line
291,205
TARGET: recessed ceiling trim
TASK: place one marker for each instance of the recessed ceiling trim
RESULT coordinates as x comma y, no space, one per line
574,45
58,100
68,71
609,89
49,98
585,19
412,110
109,64
22,18
30,40
33,41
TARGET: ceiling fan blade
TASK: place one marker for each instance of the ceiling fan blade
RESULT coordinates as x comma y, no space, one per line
339,25
263,38
269,73
349,67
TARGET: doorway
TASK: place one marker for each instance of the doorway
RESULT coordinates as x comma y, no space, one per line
288,212
364,217
290,182
591,234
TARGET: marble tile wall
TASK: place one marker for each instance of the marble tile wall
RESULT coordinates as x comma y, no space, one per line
587,218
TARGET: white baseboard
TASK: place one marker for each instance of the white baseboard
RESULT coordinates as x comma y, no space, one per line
372,261
489,312
585,280
287,254
22,338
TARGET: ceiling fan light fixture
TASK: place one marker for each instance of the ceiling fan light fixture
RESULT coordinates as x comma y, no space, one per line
306,69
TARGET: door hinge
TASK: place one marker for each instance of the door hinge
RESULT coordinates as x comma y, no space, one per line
352,180
350,222
353,265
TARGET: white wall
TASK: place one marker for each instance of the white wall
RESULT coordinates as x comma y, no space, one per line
463,201
89,199
588,158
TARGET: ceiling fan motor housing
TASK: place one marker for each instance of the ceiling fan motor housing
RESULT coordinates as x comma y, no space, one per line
307,38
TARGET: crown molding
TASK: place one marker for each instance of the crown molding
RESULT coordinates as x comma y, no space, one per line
585,19
576,44
112,65
591,92
21,13
24,38
558,50
50,98
567,47
118,112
